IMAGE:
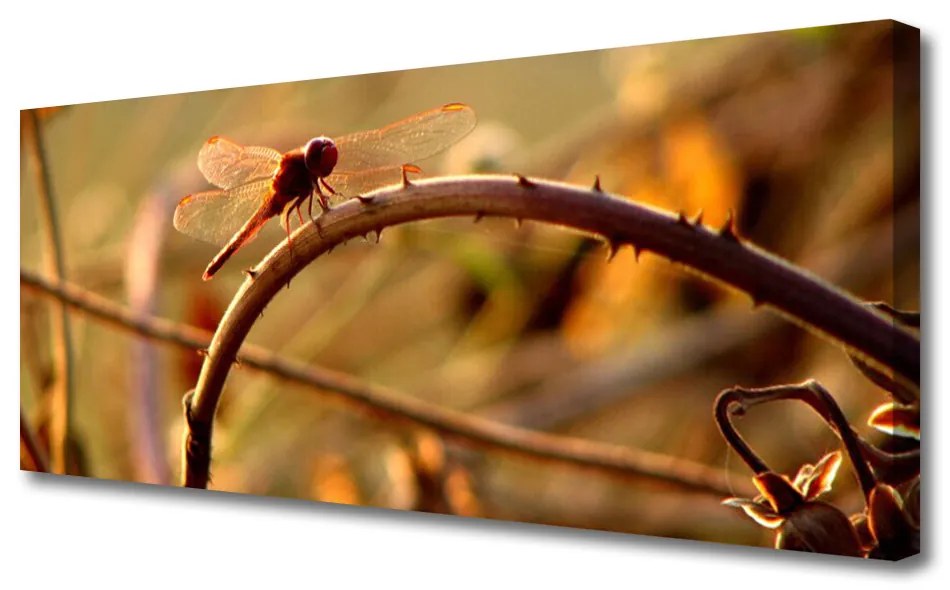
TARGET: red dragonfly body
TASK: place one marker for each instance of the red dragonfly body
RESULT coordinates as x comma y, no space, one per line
258,183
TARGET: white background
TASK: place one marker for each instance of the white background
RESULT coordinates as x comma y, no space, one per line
58,532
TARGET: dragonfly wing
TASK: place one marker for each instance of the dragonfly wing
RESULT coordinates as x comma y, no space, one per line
414,138
227,164
215,216
358,183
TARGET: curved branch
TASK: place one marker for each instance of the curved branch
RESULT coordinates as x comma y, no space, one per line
684,345
718,254
818,398
376,400
729,403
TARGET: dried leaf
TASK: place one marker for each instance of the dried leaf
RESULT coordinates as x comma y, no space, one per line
896,420
821,476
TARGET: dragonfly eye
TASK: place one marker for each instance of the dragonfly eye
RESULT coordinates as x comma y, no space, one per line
320,156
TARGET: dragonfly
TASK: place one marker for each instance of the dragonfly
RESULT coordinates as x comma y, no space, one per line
257,183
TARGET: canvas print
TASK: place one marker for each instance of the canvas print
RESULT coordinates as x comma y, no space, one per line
667,290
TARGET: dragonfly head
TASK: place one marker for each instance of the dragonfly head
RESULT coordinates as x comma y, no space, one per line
320,155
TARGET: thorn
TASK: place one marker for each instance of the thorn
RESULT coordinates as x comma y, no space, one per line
597,184
681,220
518,222
636,252
479,216
728,229
406,168
365,200
698,220
186,401
251,273
524,182
202,352
237,362
379,234
613,246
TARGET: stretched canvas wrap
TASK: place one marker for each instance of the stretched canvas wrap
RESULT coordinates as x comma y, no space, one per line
665,290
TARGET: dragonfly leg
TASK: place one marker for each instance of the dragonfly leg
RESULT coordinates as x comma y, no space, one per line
327,186
285,220
316,223
323,198
286,223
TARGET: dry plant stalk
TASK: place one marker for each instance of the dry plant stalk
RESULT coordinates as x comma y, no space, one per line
472,430
62,387
718,254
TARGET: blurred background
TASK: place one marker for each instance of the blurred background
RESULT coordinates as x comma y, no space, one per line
794,131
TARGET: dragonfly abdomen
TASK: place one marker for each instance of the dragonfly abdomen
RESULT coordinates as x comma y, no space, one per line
247,233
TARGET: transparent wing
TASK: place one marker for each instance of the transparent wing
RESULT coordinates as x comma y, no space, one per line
227,164
414,138
357,183
215,216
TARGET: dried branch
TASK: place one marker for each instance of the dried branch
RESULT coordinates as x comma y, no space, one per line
380,401
737,400
720,254
62,394
97,306
685,344
871,464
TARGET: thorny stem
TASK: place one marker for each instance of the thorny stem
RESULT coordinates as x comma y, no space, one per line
32,447
717,254
819,399
376,400
908,318
62,394
684,345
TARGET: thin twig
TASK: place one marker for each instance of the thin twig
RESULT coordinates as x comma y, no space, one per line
719,254
32,447
62,394
155,328
377,400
